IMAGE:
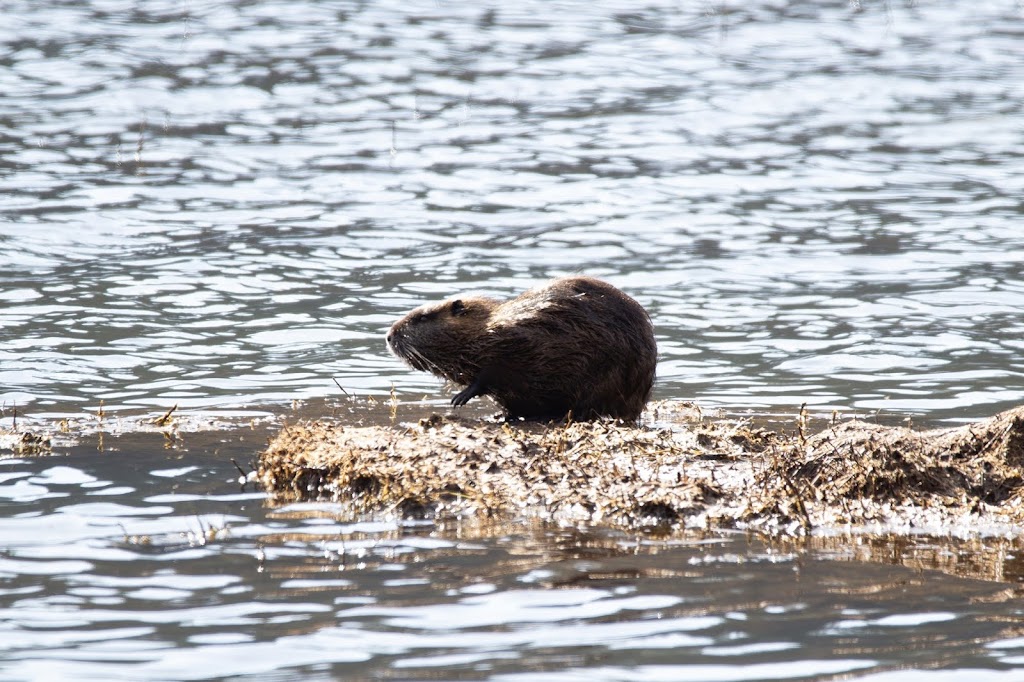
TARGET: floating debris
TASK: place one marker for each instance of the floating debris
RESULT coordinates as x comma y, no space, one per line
23,443
165,419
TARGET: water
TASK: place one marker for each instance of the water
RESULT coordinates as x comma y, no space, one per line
225,204
143,563
209,202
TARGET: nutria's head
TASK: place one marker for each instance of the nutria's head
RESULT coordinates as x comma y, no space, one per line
444,338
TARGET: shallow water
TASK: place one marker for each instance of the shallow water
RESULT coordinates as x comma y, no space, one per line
138,562
209,203
222,204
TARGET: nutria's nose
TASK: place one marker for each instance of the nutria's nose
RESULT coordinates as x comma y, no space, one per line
392,336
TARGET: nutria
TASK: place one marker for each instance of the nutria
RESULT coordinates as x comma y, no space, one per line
574,345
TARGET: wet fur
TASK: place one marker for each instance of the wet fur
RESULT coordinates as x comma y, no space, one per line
576,345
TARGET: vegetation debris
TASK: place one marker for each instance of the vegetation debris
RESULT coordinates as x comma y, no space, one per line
708,473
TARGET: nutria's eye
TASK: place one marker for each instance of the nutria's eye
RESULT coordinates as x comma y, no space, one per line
458,307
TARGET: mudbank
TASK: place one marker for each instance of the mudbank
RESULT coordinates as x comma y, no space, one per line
852,475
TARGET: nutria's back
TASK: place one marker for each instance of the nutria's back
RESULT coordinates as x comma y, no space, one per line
576,344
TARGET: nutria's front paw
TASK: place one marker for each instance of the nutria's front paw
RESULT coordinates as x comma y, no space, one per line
462,397
478,387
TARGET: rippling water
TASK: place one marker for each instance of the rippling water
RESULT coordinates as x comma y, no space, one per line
179,574
229,202
224,203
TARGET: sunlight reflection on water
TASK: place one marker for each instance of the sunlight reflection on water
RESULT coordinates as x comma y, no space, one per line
823,212
210,204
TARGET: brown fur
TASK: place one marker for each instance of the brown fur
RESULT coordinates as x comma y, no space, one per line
576,345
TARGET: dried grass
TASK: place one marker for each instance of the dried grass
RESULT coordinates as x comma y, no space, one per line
709,474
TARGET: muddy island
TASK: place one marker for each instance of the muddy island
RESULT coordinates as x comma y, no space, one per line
852,476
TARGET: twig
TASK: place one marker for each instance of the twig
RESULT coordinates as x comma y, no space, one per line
805,519
801,425
166,418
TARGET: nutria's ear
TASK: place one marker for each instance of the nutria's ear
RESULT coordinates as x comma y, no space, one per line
458,307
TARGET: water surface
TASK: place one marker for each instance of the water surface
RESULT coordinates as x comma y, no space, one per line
139,562
208,203
223,205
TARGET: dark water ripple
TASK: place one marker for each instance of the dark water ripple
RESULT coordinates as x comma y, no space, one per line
209,203
170,571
